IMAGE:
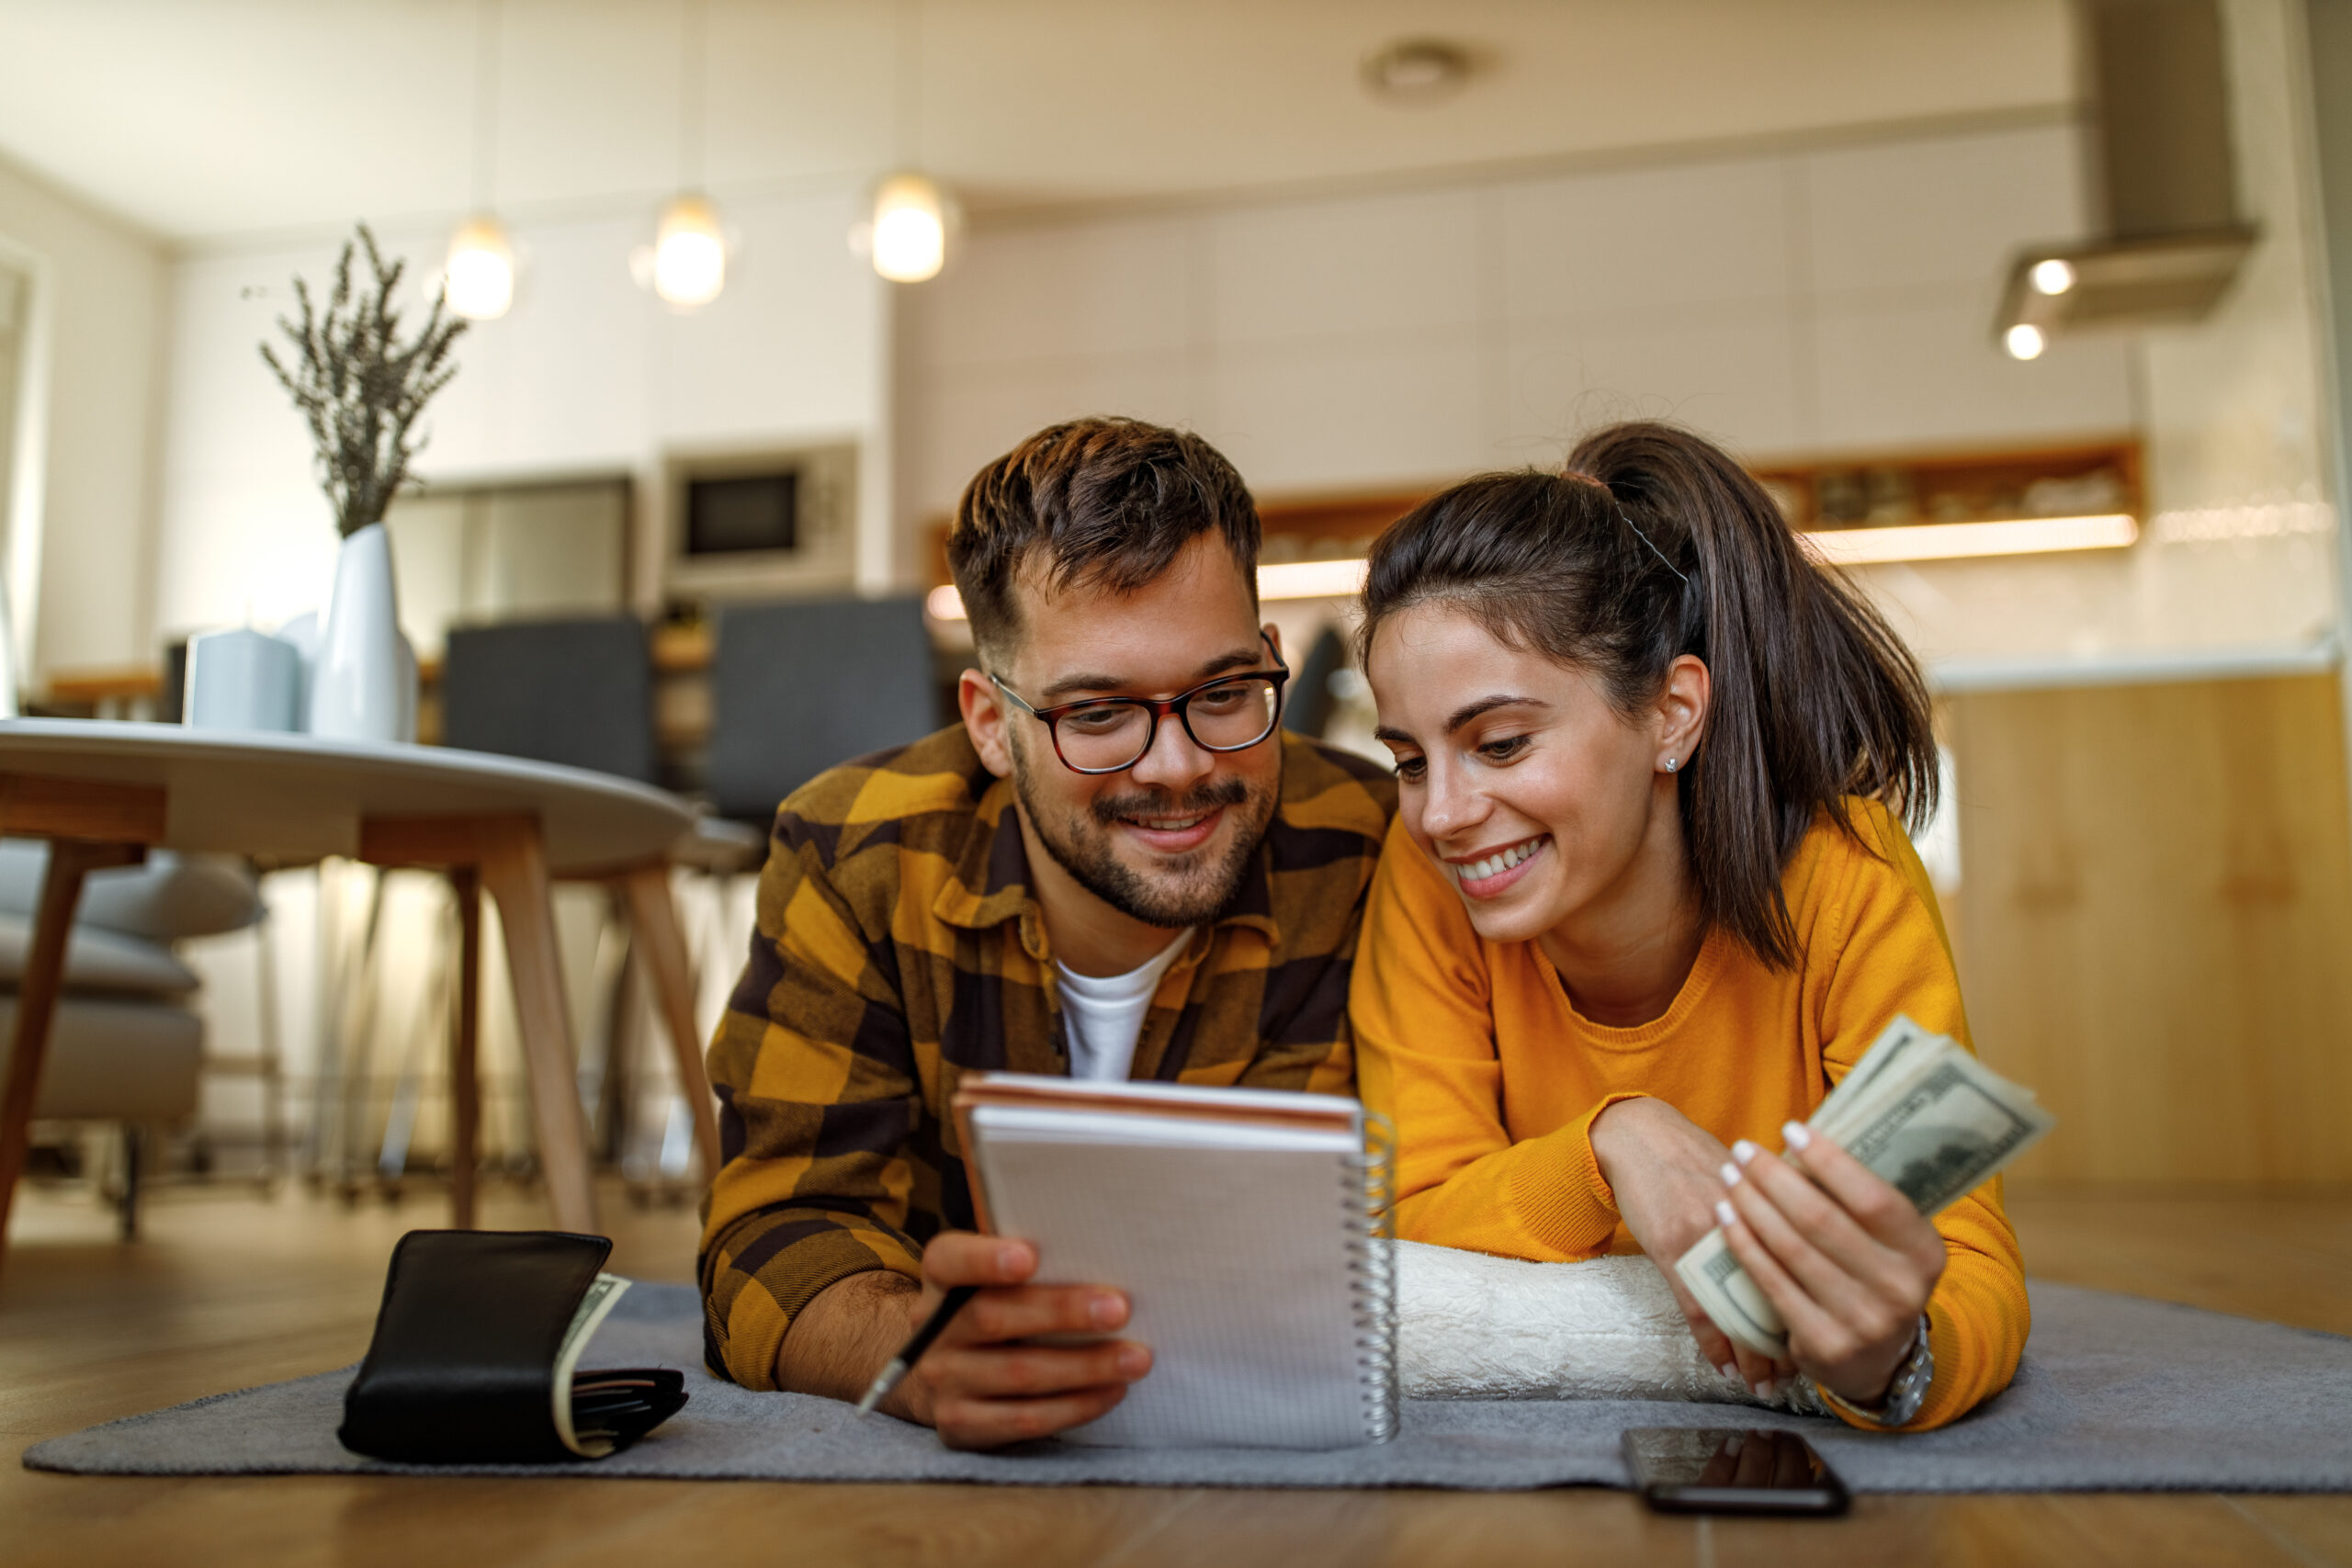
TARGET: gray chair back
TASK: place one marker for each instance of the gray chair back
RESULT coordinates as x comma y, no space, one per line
576,692
798,687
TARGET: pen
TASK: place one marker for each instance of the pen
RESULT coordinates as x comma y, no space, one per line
901,1364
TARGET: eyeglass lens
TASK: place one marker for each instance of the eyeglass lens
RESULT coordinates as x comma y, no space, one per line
1114,734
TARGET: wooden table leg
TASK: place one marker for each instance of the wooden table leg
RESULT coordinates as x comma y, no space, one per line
654,915
465,1081
514,869
70,859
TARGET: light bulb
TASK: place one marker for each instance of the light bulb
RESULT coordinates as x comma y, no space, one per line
481,270
910,229
689,254
2052,277
2024,341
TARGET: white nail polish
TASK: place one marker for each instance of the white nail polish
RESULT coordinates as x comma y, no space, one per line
1730,1173
1796,1134
1724,1213
1763,1390
1730,1371
1743,1151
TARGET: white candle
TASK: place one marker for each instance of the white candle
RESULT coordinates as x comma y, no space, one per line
242,680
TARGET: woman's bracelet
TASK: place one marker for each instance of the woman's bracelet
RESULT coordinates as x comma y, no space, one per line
1904,1393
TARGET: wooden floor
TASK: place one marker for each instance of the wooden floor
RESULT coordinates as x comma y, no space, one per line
228,1291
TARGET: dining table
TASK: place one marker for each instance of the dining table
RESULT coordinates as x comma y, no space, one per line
104,792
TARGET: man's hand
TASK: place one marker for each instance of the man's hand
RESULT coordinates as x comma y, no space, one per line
1665,1171
981,1384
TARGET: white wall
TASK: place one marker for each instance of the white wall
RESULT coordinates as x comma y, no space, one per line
80,566
2238,554
587,373
1832,301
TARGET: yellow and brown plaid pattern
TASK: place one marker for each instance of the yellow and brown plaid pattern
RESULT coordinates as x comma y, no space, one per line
898,947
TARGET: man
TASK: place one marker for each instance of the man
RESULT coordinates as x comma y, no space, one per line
1117,866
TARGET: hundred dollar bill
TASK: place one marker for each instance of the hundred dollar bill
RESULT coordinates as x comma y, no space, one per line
1928,1116
604,1294
1899,1043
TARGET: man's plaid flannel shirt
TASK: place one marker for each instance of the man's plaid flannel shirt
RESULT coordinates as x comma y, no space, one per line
898,947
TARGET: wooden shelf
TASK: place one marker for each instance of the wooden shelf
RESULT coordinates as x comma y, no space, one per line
1836,493
1896,490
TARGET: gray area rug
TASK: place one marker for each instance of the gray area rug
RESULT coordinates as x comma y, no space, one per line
2116,1394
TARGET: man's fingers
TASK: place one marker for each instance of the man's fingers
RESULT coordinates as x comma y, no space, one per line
1029,1371
994,1423
1023,1311
961,1258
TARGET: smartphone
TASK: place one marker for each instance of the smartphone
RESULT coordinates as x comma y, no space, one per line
1727,1470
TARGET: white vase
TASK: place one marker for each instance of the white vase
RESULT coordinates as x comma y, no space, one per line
363,685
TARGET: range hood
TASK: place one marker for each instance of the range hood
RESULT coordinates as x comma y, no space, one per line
2160,173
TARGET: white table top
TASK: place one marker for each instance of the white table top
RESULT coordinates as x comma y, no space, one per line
291,799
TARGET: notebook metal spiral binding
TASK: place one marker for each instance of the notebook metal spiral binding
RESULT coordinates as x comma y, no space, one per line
1369,1195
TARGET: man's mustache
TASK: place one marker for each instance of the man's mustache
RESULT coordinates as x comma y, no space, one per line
1110,809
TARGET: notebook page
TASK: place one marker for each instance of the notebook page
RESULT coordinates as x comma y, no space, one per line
1236,1253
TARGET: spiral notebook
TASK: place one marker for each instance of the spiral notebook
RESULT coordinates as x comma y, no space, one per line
1245,1227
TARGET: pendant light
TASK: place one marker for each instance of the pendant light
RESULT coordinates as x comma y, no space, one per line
479,276
910,229
689,254
689,264
907,237
480,272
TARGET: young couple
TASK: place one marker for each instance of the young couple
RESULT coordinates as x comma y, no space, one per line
1646,898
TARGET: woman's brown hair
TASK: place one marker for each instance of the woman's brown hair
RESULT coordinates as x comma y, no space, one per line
1654,544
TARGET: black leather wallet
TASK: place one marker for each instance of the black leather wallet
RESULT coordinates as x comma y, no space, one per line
476,1328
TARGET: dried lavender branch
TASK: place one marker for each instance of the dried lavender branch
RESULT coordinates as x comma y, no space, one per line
359,386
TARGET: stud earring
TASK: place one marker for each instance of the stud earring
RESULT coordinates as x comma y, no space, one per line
1670,764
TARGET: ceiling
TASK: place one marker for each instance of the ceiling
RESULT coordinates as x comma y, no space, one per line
211,121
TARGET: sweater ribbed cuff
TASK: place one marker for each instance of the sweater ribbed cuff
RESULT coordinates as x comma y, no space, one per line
1562,1198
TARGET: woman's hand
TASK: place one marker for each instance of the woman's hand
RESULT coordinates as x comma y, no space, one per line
1843,1257
1665,1169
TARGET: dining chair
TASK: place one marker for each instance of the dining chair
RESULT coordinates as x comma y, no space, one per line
798,686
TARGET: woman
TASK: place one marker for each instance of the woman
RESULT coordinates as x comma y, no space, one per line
1655,765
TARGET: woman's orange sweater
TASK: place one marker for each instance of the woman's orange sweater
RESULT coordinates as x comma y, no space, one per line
1493,1079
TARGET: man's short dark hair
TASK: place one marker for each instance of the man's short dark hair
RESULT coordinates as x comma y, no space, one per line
1110,502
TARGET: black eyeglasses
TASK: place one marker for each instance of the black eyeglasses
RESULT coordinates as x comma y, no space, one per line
1109,735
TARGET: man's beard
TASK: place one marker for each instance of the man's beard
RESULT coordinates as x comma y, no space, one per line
1190,891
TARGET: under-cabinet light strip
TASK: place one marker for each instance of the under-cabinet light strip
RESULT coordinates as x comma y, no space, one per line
1956,541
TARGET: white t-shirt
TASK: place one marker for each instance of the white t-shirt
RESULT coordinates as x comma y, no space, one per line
1104,1013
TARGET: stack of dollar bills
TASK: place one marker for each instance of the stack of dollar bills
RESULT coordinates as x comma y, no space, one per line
1919,1110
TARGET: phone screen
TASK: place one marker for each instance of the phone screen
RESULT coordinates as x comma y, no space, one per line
1731,1470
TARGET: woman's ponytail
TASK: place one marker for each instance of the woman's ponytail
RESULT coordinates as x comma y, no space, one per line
1656,544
